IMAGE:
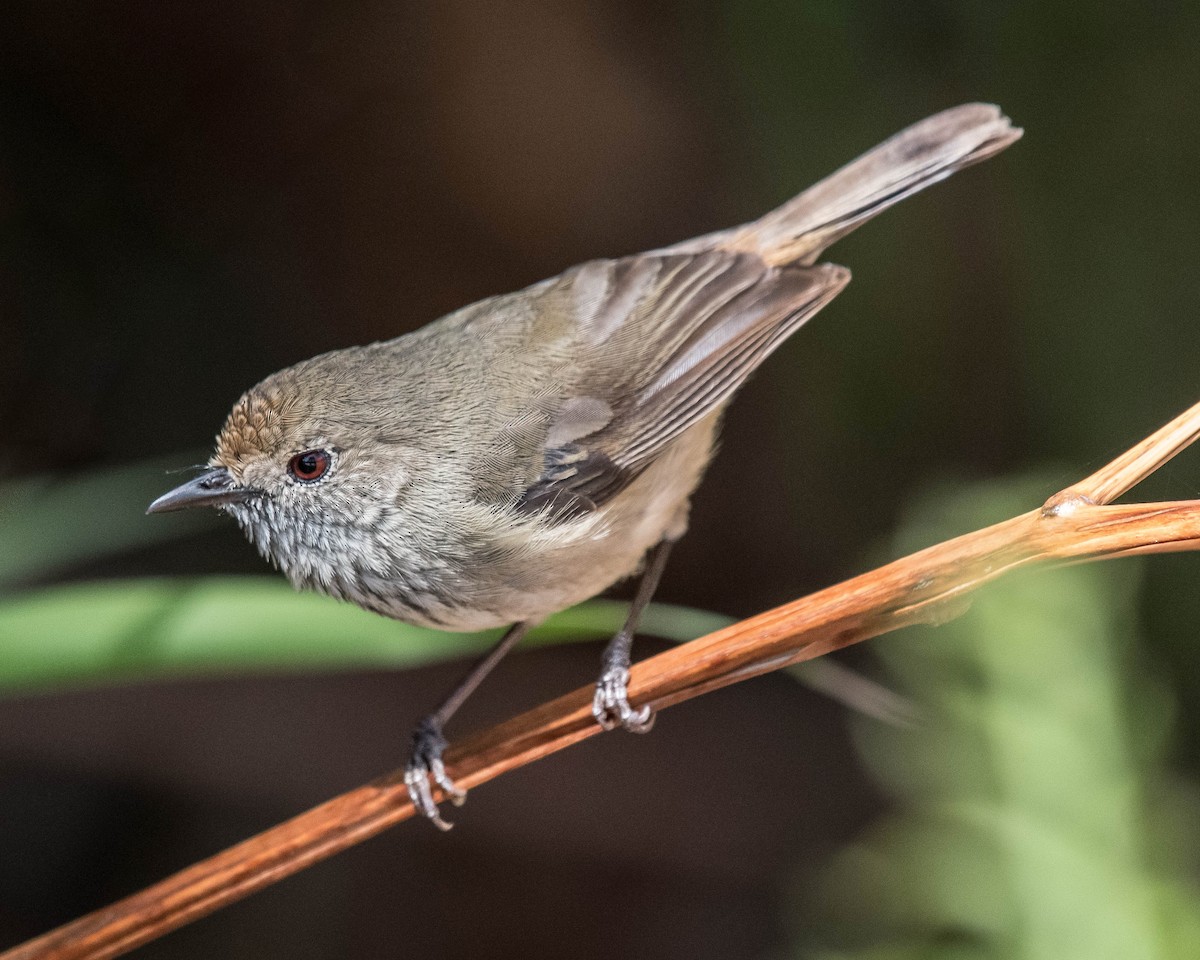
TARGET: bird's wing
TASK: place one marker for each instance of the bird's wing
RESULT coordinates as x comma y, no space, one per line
660,343
666,337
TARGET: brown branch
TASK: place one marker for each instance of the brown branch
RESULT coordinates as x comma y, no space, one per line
1076,523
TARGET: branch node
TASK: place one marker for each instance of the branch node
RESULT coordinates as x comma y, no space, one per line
1065,503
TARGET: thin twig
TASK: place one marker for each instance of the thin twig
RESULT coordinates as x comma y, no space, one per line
928,586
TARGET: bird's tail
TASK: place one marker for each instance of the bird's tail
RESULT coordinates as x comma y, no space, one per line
912,160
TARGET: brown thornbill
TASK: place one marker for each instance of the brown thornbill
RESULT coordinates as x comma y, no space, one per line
526,452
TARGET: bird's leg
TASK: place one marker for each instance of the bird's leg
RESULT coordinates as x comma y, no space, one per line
611,706
428,742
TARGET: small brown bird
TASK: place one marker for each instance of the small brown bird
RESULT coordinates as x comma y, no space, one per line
526,452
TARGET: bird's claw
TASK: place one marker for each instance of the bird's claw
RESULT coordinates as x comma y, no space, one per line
610,705
425,768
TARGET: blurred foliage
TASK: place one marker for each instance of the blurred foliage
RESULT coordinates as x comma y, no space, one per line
1035,817
147,628
53,523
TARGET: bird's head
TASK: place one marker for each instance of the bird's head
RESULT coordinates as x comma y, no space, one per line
304,473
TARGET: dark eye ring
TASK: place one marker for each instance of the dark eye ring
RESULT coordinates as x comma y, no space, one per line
309,466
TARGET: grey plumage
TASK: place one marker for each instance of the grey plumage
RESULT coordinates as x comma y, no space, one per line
525,452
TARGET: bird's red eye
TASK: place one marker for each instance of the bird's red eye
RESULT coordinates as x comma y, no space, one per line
309,466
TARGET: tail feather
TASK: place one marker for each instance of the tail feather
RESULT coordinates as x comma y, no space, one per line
912,160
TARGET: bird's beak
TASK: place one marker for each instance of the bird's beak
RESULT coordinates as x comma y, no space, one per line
213,488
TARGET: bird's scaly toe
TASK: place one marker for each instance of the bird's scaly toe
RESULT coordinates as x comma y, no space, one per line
425,768
610,705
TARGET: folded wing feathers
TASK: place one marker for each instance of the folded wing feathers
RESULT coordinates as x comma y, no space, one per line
670,335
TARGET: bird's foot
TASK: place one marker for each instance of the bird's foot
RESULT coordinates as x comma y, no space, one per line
425,767
610,706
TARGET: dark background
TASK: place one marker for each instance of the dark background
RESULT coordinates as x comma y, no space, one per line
194,195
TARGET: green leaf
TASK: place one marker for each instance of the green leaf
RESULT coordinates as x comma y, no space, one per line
143,629
50,523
